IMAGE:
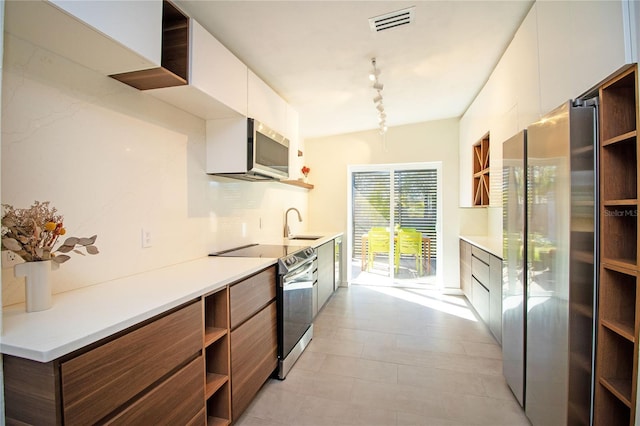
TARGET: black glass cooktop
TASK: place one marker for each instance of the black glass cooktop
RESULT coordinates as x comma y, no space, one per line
259,250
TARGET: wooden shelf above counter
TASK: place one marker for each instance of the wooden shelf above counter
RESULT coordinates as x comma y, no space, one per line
299,183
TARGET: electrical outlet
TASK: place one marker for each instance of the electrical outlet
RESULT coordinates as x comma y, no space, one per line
146,238
9,259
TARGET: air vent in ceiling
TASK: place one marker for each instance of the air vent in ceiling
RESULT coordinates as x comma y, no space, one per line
392,20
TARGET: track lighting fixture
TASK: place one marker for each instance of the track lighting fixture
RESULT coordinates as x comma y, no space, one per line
378,86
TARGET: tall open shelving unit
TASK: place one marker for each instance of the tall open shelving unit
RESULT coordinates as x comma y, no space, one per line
618,299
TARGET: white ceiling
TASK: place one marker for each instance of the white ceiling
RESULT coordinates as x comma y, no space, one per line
317,55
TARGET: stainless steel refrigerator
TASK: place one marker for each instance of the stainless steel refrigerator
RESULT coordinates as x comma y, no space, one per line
514,179
552,279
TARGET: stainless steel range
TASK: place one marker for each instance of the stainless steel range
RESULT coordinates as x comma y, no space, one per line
297,274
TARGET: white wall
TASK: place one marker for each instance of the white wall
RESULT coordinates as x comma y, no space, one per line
329,157
112,160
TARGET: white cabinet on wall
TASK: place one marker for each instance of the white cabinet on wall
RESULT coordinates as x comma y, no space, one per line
579,44
293,134
561,50
109,37
265,105
217,83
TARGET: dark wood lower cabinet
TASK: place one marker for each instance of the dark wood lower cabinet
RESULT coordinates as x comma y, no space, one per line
176,400
124,367
254,357
200,363
127,377
31,392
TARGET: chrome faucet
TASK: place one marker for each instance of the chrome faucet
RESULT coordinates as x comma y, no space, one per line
287,231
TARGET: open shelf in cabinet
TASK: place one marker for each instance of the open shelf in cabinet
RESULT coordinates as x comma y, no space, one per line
217,358
174,69
618,301
481,184
218,410
619,223
616,365
620,157
611,410
217,365
618,106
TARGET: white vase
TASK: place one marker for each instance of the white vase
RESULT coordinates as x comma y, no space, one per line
37,277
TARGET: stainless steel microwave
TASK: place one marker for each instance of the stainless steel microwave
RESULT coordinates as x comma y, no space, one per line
244,148
267,151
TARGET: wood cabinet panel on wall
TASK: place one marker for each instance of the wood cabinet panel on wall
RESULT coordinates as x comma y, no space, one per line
254,356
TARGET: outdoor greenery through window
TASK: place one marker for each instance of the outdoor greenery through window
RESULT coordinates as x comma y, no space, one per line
414,202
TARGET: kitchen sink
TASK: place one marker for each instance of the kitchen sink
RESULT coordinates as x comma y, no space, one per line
305,237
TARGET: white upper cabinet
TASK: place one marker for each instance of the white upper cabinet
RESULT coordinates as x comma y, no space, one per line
217,83
266,105
580,45
107,36
216,71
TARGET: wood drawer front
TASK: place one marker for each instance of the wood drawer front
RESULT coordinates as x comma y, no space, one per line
254,356
99,381
480,271
480,254
250,295
176,401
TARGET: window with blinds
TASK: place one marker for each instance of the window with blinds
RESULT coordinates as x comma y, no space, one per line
414,204
416,195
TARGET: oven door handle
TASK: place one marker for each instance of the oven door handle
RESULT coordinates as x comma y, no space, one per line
293,278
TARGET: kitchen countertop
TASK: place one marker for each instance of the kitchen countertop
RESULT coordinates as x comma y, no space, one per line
84,316
324,238
491,244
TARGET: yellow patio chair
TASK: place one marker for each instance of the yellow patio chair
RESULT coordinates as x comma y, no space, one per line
410,243
377,243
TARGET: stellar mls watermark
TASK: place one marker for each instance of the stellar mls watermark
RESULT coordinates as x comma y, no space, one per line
621,212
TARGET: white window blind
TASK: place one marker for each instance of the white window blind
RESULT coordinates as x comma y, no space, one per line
415,204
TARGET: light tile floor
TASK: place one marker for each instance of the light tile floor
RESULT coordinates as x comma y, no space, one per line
389,356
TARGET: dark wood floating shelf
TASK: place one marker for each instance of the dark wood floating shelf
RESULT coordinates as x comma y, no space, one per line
299,183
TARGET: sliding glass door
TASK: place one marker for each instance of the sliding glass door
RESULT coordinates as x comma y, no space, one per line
394,224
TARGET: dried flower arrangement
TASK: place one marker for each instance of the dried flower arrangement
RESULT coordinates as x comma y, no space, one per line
32,234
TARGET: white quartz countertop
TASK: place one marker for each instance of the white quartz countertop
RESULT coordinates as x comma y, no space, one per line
84,316
491,244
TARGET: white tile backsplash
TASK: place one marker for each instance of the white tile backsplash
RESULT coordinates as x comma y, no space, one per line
113,160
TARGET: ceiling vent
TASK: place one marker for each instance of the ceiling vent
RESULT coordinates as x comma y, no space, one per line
392,20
